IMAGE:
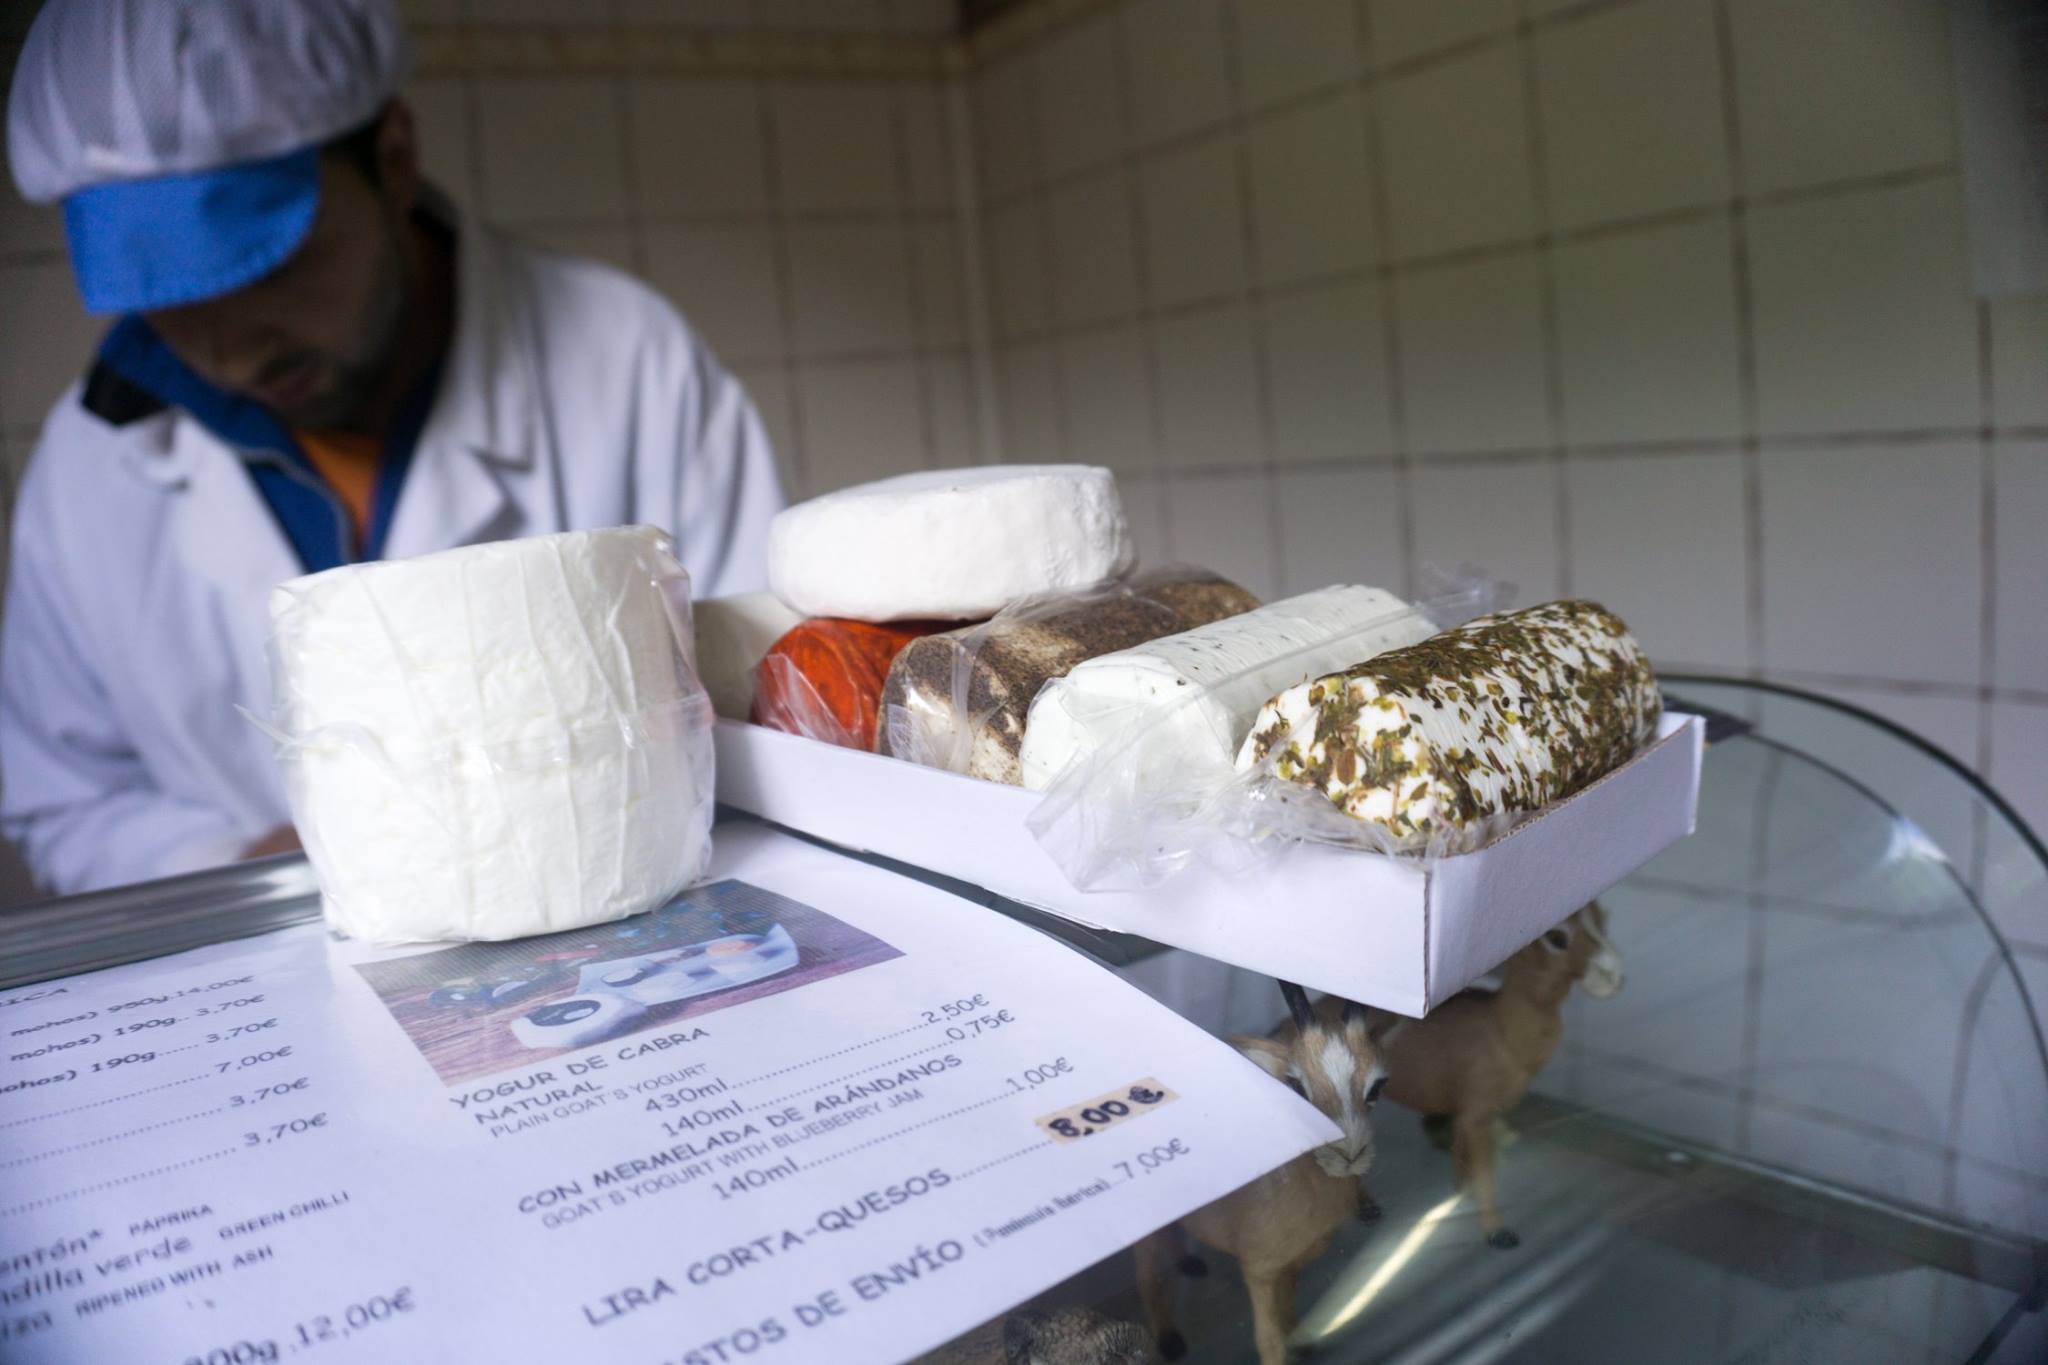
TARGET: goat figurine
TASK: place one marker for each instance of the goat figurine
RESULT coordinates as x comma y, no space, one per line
1279,1223
1473,1057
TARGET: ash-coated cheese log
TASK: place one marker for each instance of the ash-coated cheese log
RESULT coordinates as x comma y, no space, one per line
949,544
959,700
1185,701
1506,713
823,679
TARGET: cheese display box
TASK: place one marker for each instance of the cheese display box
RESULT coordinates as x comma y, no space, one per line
1397,933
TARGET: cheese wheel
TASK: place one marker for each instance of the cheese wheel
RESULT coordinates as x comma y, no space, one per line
823,679
494,741
733,634
959,700
1184,702
1504,714
953,544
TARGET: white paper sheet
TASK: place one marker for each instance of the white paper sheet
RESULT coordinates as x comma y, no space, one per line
815,1112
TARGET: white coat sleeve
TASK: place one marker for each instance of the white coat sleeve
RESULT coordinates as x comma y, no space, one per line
729,488
74,796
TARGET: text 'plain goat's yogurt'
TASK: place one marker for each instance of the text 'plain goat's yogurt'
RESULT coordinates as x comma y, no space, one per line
495,741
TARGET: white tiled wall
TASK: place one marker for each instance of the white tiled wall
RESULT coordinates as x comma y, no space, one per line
1664,302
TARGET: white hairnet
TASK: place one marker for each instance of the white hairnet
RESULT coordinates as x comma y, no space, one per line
112,90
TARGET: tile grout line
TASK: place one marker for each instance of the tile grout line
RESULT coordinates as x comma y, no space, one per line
1392,369
1553,345
1745,340
913,278
781,261
1254,311
1120,60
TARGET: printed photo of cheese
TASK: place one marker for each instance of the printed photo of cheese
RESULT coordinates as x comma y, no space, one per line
1505,714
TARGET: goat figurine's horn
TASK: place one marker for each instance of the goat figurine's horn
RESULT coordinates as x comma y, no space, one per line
1297,1005
1354,1013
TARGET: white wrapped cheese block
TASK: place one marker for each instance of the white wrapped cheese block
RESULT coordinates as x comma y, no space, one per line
950,544
1183,703
495,741
733,636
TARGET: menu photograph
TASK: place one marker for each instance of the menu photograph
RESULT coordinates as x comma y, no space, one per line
811,1110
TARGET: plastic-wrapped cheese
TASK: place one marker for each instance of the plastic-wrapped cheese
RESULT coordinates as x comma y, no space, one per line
959,700
1504,714
1184,702
733,635
823,679
949,544
495,741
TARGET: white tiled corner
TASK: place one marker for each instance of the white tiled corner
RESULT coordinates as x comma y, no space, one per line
1455,139
1403,29
723,278
1326,369
1020,281
440,106
1499,518
1647,334
2019,759
1472,348
1005,130
1311,193
1109,398
850,287
774,395
1208,389
1144,500
1832,89
1194,222
47,342
835,149
927,144
1028,376
861,422
611,243
940,304
949,399
1632,119
1080,101
2019,361
1340,526
1289,49
552,148
1659,540
1178,70
1094,261
1219,521
2020,591
1864,318
697,146
1870,561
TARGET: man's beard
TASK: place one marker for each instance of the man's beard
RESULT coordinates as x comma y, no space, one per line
348,386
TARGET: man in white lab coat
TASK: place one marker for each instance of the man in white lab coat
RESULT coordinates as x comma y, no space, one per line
313,363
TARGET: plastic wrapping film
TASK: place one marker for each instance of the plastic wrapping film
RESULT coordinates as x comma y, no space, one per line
823,678
958,700
1143,801
496,741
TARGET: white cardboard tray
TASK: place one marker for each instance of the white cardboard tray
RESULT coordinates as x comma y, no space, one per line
1377,930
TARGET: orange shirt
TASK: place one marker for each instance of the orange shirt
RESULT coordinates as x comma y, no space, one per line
348,462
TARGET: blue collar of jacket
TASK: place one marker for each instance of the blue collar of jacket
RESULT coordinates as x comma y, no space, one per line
312,518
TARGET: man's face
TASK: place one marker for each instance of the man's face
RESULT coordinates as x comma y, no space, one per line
310,339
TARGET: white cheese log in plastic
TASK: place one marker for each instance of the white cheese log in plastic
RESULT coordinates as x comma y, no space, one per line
950,544
495,741
1184,702
733,636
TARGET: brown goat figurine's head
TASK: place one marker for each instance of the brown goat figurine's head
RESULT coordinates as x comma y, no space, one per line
1329,1059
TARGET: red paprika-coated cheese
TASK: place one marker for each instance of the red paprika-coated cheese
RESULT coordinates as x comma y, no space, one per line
823,679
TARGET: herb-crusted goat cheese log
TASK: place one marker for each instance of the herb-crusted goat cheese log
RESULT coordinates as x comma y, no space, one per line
1505,713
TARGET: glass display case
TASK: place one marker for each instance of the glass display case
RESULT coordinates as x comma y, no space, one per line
1811,1125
